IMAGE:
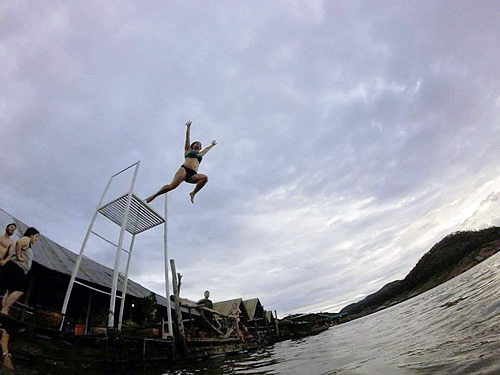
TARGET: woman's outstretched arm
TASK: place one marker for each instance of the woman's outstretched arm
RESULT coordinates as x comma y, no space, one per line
208,148
187,146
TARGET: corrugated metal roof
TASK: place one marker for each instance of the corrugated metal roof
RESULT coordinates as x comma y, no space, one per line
251,305
269,316
57,258
225,307
300,316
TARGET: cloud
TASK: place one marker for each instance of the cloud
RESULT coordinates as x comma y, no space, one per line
351,137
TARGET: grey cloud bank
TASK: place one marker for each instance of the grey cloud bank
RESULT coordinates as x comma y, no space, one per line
352,136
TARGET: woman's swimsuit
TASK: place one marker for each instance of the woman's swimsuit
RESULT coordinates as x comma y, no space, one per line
191,172
194,154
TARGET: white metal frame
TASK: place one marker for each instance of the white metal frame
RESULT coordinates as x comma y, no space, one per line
133,216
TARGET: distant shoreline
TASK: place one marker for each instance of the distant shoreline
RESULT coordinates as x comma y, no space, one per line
455,254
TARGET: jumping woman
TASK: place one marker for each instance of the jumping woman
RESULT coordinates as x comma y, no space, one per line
189,170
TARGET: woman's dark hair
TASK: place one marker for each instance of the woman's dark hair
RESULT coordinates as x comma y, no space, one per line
192,144
31,231
14,224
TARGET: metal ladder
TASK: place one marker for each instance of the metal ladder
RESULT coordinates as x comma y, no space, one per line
133,216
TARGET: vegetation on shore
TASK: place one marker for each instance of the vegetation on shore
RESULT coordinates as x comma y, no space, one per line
454,254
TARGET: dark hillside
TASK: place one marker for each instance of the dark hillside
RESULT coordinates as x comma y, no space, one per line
448,258
448,253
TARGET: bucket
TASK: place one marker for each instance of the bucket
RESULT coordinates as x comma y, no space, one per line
79,329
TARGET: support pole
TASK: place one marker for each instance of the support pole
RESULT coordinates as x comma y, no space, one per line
80,256
116,270
167,281
125,285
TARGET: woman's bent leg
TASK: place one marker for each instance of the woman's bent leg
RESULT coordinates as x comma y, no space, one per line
200,180
11,299
179,176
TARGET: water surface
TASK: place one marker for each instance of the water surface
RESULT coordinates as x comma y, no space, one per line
451,329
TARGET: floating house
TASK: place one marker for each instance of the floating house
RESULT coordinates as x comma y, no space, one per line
256,313
259,323
300,325
225,307
271,319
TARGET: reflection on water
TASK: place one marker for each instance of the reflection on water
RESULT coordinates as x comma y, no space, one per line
451,329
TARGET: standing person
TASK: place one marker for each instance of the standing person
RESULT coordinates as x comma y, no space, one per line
234,319
15,268
6,242
209,317
207,302
189,170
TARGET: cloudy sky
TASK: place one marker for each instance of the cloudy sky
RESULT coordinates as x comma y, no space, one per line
352,135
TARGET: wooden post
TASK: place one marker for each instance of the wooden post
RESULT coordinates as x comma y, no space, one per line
88,313
178,312
277,325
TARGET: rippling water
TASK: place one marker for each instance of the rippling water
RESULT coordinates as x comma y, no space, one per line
451,329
